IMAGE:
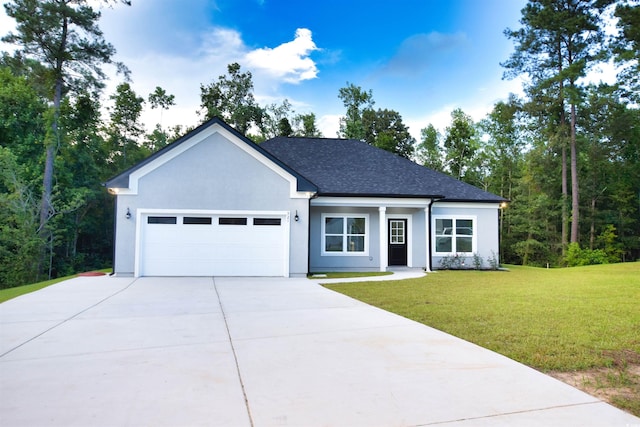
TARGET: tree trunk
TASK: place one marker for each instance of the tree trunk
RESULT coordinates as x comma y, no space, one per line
565,198
575,199
46,209
563,122
592,231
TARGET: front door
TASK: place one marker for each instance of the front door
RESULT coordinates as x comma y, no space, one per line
397,241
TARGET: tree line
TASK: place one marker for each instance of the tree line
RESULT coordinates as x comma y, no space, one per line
566,154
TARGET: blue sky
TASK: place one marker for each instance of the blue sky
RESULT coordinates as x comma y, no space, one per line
422,58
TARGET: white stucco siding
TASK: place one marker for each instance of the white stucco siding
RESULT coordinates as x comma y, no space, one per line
215,174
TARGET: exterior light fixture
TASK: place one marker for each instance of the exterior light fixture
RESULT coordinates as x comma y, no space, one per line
128,214
296,217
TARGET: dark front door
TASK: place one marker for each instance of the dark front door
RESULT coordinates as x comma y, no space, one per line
397,241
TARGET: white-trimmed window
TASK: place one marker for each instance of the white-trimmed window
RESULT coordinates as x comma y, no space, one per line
345,234
455,235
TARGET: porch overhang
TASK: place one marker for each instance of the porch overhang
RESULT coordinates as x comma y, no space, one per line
374,202
382,204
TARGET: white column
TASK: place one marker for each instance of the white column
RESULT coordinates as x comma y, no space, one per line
383,239
427,227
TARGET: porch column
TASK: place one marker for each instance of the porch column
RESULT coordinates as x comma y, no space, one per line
427,227
383,238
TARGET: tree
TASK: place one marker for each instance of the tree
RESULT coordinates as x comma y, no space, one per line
385,129
158,138
231,98
275,120
559,41
22,130
429,151
65,37
461,144
83,236
305,125
356,102
22,124
20,244
160,99
125,128
504,146
626,48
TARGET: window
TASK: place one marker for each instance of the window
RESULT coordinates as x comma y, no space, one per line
266,221
196,220
345,235
162,220
396,229
455,235
232,221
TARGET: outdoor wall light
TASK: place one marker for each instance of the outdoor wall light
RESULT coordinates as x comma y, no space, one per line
296,218
128,214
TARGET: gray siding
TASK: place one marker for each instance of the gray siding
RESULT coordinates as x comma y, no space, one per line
371,262
486,229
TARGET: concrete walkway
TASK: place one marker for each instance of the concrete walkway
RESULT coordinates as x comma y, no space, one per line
102,351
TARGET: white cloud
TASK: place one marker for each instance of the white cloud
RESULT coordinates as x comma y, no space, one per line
182,74
289,62
221,42
329,125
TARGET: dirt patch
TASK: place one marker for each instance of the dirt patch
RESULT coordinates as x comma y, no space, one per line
91,273
618,385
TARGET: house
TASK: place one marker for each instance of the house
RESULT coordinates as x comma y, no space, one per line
213,203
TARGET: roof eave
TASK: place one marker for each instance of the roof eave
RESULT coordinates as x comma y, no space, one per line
380,195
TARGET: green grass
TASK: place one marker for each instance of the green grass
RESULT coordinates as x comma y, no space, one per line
558,319
348,274
10,293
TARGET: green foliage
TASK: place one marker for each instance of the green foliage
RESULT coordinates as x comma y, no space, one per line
579,257
429,152
306,126
356,101
125,128
461,144
20,242
385,129
626,48
231,98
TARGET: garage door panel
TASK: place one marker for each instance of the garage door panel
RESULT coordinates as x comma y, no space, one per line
185,248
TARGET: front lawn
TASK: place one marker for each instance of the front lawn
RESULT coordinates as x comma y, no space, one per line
573,320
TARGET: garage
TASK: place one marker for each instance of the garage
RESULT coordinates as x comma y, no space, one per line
213,244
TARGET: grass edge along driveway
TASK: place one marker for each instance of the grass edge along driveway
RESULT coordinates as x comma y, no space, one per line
582,322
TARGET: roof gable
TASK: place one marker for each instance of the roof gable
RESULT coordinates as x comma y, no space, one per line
340,167
128,180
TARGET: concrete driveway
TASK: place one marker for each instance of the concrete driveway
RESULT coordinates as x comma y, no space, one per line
104,351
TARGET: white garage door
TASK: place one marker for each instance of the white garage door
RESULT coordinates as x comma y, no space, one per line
213,245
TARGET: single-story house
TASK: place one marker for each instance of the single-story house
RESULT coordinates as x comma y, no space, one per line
214,203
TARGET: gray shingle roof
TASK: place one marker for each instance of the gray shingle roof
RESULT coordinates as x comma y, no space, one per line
341,167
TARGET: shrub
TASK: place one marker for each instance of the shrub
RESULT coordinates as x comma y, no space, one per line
577,256
477,261
493,261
